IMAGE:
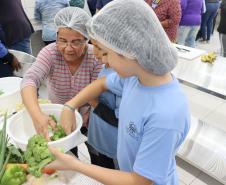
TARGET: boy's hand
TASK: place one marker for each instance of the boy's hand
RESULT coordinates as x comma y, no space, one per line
63,161
67,120
94,103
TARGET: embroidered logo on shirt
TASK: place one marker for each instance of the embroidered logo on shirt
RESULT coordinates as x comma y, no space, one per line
132,130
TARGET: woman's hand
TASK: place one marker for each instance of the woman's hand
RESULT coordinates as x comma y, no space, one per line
63,161
41,123
67,119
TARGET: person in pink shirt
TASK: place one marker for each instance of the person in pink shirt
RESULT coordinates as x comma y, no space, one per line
169,14
68,65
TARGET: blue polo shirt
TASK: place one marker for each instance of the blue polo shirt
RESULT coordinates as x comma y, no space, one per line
153,122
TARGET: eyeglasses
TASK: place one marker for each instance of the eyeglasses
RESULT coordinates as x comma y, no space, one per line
73,44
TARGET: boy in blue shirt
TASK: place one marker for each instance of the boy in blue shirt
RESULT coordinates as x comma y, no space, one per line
153,114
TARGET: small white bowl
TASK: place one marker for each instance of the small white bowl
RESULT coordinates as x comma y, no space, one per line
11,93
20,128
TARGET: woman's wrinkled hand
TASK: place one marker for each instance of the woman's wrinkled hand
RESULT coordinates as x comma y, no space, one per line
41,124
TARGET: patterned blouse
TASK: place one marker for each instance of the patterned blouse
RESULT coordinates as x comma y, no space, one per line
61,84
168,9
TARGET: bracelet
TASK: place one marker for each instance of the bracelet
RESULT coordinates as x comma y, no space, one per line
69,107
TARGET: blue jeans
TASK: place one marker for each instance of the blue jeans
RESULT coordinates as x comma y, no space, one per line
23,45
207,20
186,35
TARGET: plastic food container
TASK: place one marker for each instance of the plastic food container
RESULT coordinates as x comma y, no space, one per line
10,88
20,128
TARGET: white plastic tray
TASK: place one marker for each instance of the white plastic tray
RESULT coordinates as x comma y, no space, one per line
188,53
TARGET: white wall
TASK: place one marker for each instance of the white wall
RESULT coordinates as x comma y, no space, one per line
29,7
36,40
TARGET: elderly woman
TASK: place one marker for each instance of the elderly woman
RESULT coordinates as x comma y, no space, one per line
68,65
153,113
169,14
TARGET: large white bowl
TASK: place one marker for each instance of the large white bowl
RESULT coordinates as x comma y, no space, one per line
11,88
20,128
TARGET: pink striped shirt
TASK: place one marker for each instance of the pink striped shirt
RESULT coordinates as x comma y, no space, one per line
61,84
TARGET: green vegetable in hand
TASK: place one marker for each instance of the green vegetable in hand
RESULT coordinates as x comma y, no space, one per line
1,92
58,133
37,155
53,118
14,175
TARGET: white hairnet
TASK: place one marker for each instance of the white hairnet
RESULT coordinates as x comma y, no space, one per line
131,28
74,18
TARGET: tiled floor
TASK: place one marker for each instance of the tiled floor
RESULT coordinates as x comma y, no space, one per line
213,45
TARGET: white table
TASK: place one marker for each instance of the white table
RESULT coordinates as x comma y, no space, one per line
205,86
204,75
69,178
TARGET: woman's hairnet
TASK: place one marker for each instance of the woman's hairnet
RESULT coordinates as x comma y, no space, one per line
74,18
131,28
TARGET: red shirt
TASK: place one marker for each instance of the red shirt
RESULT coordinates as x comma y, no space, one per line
171,10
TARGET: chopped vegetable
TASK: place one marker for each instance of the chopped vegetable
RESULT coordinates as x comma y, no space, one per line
48,171
53,118
209,57
37,155
58,133
14,175
45,170
24,166
1,92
